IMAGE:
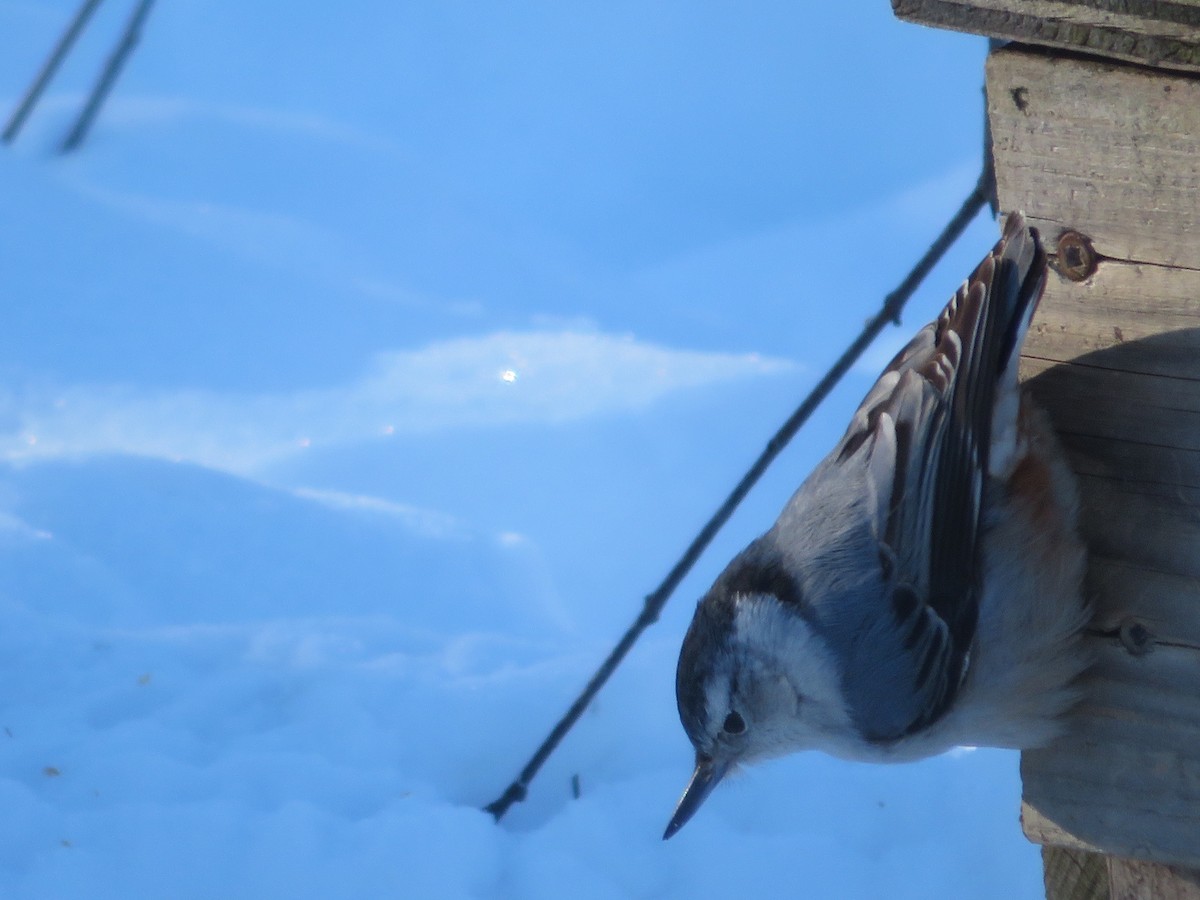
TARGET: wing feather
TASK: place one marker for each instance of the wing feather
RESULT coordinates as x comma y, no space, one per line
926,431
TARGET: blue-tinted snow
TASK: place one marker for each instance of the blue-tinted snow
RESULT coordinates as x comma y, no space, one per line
362,373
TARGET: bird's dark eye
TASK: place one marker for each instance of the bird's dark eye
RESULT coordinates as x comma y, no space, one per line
734,724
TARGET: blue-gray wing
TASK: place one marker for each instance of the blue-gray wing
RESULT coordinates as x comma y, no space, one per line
923,437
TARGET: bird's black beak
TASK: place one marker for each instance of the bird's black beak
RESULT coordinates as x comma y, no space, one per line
706,777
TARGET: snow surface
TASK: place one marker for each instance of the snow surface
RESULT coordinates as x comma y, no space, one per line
365,370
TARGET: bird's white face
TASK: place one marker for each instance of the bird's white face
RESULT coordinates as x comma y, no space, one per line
777,691
771,690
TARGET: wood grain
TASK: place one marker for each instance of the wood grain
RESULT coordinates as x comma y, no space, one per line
1125,780
1074,874
1109,150
1132,880
1101,149
1110,310
1153,32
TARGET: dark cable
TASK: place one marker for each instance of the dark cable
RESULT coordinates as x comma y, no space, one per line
108,76
893,304
34,92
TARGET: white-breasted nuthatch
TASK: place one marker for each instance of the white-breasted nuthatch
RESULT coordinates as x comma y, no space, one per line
923,587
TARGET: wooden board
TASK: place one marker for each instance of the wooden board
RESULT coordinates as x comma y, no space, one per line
1153,32
1129,880
1107,149
1126,781
1074,874
1115,359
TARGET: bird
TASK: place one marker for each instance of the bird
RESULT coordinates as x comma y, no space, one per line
923,588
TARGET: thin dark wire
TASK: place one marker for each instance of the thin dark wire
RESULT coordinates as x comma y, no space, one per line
108,76
893,304
34,92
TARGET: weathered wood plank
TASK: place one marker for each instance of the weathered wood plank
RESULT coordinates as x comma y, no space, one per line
1112,151
1146,525
1125,781
1152,409
1166,602
1115,359
1109,310
1152,32
1074,874
1121,376
1132,880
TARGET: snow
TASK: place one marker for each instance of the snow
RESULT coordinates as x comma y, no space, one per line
360,376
